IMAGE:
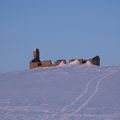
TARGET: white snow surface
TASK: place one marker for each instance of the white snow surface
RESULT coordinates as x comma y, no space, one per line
62,64
75,62
71,92
88,62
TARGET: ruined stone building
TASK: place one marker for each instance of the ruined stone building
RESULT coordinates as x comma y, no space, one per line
36,62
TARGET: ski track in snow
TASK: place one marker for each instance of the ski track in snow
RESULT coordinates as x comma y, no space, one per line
81,95
65,110
93,94
71,111
109,116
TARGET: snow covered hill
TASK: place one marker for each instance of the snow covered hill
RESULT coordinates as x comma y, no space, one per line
69,92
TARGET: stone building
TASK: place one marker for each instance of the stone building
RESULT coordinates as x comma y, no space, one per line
36,62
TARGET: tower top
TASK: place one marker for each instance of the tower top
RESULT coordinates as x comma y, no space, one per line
35,49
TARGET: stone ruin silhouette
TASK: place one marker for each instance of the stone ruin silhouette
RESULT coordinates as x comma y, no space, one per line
36,62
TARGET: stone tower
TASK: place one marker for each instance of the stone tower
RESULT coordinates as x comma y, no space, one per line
36,55
35,62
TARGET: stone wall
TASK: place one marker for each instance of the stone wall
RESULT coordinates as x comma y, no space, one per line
46,63
34,65
96,61
57,62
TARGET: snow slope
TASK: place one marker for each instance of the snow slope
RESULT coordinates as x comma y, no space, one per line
71,92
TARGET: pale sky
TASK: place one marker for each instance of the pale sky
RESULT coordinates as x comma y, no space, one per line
60,29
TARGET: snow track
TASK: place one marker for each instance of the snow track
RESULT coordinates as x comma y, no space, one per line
92,87
33,95
84,93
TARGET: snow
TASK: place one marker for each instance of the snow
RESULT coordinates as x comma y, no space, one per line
88,62
62,64
35,49
70,92
75,62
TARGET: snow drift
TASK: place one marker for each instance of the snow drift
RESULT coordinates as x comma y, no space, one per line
71,92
